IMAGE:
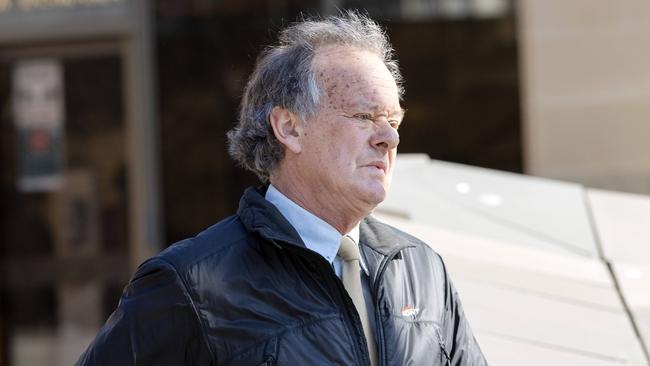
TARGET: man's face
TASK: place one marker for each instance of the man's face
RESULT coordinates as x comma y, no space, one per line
350,144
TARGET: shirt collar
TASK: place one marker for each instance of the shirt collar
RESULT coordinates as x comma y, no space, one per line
317,234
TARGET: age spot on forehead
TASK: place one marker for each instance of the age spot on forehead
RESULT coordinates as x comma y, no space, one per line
331,89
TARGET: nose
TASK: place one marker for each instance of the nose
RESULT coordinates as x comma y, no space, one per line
385,137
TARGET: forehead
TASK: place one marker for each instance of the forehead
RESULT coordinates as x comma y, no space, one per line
344,62
352,77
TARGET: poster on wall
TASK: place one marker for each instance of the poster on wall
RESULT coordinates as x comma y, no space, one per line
39,112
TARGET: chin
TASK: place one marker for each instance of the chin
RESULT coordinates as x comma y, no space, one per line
374,194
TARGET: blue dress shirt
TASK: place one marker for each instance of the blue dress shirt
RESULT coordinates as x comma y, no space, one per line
317,234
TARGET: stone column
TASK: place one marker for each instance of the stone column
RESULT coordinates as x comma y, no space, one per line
586,91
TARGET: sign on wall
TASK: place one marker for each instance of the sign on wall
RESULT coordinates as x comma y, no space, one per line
39,113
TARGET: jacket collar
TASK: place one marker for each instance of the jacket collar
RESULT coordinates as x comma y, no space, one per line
381,237
260,216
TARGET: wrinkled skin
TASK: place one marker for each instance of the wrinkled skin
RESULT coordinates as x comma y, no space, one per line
338,164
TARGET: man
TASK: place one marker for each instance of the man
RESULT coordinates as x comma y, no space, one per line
301,275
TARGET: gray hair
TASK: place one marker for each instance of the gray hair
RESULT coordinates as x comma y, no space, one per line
283,77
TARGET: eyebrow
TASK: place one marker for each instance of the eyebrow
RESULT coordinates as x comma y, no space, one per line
398,113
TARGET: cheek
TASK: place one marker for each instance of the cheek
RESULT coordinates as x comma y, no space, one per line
338,145
331,156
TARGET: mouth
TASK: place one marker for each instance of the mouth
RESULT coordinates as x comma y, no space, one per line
378,165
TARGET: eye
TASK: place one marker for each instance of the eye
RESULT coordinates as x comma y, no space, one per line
364,116
394,123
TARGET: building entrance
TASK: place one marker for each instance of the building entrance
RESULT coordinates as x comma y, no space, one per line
65,221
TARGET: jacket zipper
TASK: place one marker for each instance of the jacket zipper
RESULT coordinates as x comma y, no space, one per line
444,352
375,294
441,343
268,361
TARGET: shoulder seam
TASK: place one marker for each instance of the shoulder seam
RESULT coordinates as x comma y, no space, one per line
214,252
194,308
208,253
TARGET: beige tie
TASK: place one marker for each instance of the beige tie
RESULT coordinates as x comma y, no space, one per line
349,252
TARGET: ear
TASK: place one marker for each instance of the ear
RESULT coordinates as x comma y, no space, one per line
287,128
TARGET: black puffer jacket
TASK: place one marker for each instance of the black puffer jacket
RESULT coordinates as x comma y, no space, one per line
246,291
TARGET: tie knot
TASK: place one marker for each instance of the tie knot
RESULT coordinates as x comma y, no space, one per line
348,250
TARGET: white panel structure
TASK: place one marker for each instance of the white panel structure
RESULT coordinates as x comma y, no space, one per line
622,221
526,258
535,212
